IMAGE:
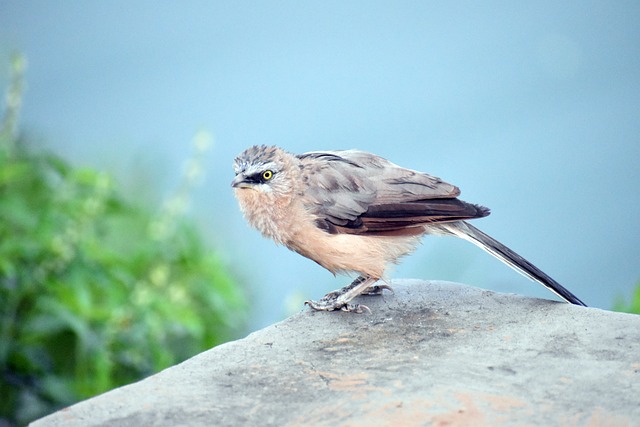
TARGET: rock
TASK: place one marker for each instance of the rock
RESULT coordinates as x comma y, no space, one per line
432,353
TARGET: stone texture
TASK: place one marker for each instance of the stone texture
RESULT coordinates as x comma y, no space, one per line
432,353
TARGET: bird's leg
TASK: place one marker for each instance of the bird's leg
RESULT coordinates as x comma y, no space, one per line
339,300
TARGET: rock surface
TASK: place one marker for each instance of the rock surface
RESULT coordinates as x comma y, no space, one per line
432,353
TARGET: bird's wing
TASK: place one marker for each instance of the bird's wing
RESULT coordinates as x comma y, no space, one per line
360,193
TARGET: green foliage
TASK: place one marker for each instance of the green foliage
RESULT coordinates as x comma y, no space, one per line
632,306
95,292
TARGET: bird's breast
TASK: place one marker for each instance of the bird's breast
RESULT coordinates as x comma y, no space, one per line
269,215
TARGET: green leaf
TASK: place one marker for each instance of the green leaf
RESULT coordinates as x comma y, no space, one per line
90,298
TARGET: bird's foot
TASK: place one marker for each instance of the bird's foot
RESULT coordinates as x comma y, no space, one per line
340,299
325,304
377,289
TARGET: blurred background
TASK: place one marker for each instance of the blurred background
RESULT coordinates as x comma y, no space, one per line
532,109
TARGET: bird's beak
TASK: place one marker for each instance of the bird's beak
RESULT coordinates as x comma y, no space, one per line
239,182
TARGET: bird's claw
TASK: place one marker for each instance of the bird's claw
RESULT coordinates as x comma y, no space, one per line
377,289
355,308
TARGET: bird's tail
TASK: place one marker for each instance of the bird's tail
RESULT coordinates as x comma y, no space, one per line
468,232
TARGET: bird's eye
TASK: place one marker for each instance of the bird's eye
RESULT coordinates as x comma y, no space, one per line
267,175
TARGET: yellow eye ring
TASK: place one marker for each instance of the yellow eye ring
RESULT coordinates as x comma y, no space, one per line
267,175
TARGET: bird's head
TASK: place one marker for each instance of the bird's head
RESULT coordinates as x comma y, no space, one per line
263,169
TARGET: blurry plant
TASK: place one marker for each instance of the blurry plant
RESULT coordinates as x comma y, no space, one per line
632,306
94,291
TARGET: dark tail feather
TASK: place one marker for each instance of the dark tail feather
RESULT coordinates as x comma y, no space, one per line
468,232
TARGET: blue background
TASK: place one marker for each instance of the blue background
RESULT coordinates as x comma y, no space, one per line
531,108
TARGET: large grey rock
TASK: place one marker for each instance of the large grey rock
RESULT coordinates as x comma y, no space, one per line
432,353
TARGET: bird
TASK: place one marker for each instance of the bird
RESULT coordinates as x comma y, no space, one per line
352,211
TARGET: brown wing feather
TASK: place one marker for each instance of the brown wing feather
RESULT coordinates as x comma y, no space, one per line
408,218
356,192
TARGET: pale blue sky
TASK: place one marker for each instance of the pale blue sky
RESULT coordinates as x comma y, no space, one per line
532,109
